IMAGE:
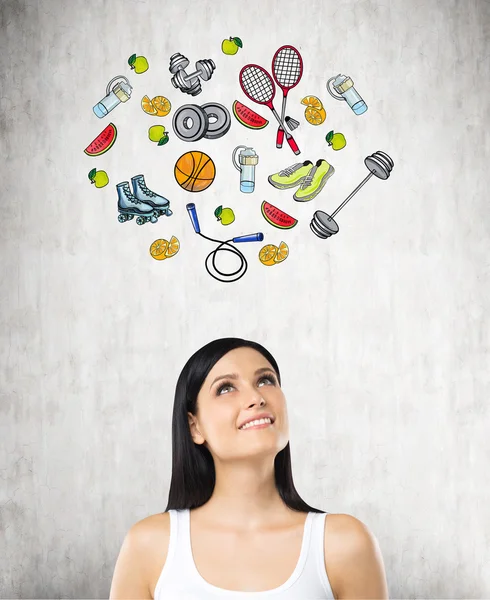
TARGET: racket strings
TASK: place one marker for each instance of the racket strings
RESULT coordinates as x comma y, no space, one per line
287,67
257,84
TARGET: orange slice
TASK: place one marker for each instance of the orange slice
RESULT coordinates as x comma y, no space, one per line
158,249
162,105
282,253
267,254
315,116
147,106
173,247
312,101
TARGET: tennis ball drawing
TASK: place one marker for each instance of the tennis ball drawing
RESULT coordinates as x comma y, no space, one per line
138,64
231,45
157,133
99,178
336,140
225,215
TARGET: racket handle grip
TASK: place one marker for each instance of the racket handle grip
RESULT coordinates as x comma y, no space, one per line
293,144
280,137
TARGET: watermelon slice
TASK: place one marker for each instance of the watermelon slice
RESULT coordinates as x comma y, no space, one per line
275,216
103,142
248,117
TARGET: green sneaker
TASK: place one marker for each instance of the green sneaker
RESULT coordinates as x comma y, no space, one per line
314,182
290,176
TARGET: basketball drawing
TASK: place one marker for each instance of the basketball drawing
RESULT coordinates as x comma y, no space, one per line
194,171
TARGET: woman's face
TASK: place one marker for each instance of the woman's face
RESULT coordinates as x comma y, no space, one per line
240,386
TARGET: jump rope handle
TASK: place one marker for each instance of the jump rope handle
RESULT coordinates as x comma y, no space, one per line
191,208
251,237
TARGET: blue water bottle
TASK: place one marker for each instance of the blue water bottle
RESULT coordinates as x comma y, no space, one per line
247,159
344,85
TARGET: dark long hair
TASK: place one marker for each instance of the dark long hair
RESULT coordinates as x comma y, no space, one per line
193,472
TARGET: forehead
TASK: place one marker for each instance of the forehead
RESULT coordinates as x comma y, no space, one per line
240,360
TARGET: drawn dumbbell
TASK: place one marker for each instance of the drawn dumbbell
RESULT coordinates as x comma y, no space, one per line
190,84
379,164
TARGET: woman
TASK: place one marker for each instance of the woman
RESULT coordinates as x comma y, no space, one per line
234,525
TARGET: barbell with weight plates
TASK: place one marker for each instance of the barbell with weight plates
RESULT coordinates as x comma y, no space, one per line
190,84
379,164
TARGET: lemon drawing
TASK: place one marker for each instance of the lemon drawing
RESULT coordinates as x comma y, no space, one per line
147,106
312,101
157,133
99,178
162,105
267,254
225,215
173,247
158,249
336,140
138,64
282,253
315,116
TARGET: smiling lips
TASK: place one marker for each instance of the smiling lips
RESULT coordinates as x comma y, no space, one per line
257,424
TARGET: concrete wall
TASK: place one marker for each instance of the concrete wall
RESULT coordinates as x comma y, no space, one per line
381,331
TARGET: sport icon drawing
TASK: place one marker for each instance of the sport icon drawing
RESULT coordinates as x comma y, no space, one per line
159,106
379,164
190,83
271,254
120,92
247,161
194,171
231,45
248,117
140,202
344,86
162,249
103,142
309,178
138,64
287,70
211,257
258,85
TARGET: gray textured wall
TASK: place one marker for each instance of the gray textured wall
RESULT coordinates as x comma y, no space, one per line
382,331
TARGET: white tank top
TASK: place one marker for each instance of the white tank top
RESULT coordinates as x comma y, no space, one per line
180,579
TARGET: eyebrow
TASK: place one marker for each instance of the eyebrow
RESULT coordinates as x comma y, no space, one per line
236,376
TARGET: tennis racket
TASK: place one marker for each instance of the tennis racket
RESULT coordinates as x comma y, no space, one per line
258,85
287,69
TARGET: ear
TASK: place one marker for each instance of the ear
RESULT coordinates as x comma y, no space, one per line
195,433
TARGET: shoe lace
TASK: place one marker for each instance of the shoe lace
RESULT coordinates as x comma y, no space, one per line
309,177
290,170
129,194
146,190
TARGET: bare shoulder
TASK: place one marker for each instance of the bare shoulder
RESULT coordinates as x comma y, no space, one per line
152,528
154,536
353,559
145,543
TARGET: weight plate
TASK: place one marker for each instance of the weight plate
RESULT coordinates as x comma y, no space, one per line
377,166
324,223
216,128
190,122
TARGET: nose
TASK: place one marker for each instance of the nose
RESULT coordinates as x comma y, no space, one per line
260,400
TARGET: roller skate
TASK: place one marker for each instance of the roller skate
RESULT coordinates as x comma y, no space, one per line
129,206
160,204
